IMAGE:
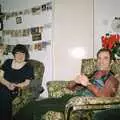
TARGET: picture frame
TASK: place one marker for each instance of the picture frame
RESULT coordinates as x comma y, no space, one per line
18,20
1,25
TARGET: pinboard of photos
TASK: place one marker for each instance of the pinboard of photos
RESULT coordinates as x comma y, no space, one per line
36,35
36,32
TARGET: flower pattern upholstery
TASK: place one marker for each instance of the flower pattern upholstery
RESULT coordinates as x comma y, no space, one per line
52,115
58,88
27,95
89,104
89,66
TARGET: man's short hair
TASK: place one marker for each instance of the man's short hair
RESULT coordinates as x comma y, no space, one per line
105,50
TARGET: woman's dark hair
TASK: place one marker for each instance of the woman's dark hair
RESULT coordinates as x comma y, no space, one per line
105,50
21,48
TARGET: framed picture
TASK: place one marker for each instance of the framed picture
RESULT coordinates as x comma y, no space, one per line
18,20
36,37
1,24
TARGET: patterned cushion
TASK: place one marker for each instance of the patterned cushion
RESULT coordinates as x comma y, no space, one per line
88,66
38,69
115,67
58,88
52,115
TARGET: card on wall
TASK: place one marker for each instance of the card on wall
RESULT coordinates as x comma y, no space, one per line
1,24
18,20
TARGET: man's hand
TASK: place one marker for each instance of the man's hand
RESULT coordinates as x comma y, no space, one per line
82,79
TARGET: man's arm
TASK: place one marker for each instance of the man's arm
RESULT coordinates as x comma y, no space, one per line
109,90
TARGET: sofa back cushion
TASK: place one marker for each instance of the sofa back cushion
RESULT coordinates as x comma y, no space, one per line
89,66
35,85
38,69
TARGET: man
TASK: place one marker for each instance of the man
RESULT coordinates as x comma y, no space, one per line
103,82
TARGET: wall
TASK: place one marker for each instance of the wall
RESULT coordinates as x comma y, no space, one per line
104,13
72,28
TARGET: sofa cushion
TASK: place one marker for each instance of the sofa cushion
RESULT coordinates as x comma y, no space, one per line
88,66
58,88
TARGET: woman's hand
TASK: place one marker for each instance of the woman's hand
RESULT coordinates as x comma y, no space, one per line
82,79
11,86
20,85
23,84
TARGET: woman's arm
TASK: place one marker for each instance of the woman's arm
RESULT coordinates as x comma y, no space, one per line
29,75
23,84
6,83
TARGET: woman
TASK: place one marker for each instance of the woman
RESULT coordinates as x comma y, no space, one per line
17,74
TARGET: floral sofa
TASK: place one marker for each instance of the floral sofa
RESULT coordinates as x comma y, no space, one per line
76,104
33,90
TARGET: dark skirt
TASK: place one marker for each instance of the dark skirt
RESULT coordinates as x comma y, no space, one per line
6,98
5,104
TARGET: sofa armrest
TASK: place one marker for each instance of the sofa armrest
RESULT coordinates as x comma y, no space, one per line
58,88
90,103
24,97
